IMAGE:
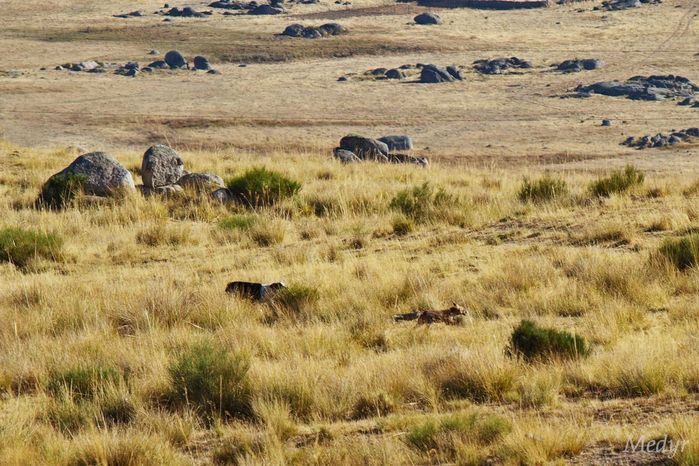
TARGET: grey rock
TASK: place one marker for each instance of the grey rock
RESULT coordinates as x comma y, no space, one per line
574,66
365,148
397,142
395,74
404,158
200,181
294,30
222,195
158,65
161,166
427,18
644,88
104,176
154,52
169,190
174,59
345,156
433,74
332,29
455,73
500,65
201,63
266,10
606,122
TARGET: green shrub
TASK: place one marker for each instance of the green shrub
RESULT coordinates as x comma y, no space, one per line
19,246
80,382
60,190
683,252
618,181
238,222
534,343
212,382
259,187
542,190
425,203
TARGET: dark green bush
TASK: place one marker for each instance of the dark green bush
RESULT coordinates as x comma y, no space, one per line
212,382
542,190
426,203
81,382
532,342
683,252
60,190
19,246
618,181
259,187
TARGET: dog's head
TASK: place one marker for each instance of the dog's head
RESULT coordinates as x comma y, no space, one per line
277,286
456,310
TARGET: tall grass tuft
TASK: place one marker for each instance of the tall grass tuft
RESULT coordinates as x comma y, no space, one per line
20,247
211,381
544,189
683,252
619,181
426,203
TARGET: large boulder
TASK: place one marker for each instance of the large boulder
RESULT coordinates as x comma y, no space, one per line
266,10
364,148
433,74
102,175
644,88
574,66
161,166
201,63
427,18
201,181
174,59
397,142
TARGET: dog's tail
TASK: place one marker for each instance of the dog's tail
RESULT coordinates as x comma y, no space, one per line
408,316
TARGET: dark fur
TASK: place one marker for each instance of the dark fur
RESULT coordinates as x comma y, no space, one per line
447,316
254,291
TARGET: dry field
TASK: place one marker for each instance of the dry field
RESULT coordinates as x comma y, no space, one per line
98,340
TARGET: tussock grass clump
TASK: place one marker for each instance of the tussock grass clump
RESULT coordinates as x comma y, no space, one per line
440,434
426,203
81,383
211,381
163,234
259,187
544,189
536,343
402,226
619,181
20,247
372,405
238,222
67,416
683,253
268,233
294,302
61,190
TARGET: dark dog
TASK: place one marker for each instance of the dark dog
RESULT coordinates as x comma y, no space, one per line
254,291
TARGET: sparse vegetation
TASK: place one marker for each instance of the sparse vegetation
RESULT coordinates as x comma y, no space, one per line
20,247
426,203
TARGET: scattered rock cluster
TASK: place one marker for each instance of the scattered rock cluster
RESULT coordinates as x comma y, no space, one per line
616,5
427,19
429,74
662,140
133,14
162,171
310,32
173,60
689,101
576,65
187,12
355,148
643,88
500,65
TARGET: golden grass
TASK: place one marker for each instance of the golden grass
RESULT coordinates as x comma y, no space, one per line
334,379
